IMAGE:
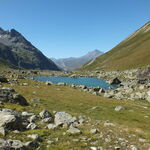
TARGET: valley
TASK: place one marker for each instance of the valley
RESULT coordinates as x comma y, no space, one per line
99,101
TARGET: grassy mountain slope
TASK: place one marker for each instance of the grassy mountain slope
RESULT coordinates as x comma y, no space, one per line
133,52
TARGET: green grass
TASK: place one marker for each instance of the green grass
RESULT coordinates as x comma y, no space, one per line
76,102
130,53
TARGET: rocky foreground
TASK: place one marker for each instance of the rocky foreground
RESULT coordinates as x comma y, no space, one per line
41,117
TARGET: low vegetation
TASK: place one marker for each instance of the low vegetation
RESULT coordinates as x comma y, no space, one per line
133,52
131,124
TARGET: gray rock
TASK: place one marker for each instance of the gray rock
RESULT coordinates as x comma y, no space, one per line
108,123
101,91
45,114
32,126
36,100
33,118
48,83
11,120
81,120
96,89
50,142
34,136
137,96
63,118
31,144
118,108
25,84
73,130
117,148
61,84
109,94
82,87
93,148
94,131
96,93
48,120
26,114
51,126
133,147
11,145
9,95
2,131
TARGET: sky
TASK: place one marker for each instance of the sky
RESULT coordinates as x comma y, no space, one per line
65,28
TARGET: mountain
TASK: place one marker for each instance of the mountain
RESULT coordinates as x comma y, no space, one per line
74,63
18,51
133,52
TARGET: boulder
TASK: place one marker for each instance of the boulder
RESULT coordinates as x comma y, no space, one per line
32,126
10,120
48,83
11,145
94,131
73,130
118,108
109,94
36,100
45,114
115,81
9,95
96,89
82,87
47,120
137,96
34,137
61,84
33,118
63,118
51,126
32,144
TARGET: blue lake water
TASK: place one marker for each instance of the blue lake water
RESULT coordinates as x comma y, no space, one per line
87,81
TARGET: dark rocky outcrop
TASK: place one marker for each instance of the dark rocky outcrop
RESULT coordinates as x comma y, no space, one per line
115,81
9,95
18,51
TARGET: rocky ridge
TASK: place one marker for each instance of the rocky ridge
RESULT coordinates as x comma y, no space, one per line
19,52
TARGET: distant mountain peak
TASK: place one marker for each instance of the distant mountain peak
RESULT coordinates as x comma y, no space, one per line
14,33
72,63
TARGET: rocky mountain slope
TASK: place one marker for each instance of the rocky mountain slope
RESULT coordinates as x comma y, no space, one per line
133,52
74,63
16,50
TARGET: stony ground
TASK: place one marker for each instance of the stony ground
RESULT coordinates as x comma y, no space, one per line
60,117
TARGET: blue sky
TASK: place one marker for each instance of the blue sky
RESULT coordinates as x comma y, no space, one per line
64,28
